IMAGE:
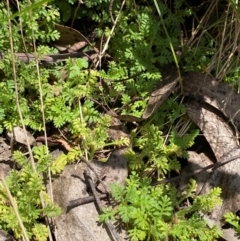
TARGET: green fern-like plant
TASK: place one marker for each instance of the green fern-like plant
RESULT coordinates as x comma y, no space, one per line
25,187
154,151
233,220
149,213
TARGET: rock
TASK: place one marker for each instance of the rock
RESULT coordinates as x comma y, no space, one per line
4,236
230,234
81,223
19,136
5,168
195,162
5,151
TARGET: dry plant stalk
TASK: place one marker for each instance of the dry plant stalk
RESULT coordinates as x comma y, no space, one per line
14,206
19,108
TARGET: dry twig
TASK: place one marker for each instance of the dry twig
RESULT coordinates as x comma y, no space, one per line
213,166
98,204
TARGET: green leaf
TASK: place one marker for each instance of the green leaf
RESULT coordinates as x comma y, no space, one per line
82,63
66,10
40,232
125,212
165,206
107,215
117,191
59,164
137,234
233,220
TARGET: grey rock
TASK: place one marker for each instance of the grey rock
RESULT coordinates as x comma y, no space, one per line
4,236
81,223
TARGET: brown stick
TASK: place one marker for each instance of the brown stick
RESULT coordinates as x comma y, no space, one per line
54,58
81,201
92,169
98,205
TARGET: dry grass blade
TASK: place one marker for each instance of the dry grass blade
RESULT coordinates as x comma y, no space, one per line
14,206
201,25
224,57
112,30
221,26
16,88
18,103
44,123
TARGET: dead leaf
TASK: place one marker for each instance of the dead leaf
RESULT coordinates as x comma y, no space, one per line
217,132
70,39
204,87
52,141
130,118
158,96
